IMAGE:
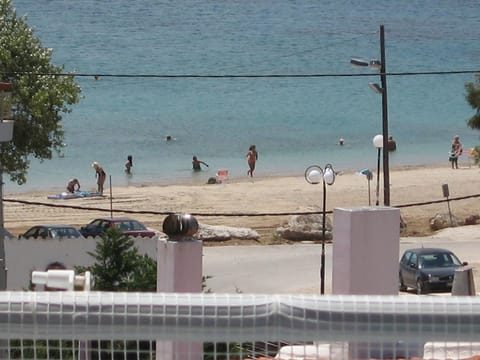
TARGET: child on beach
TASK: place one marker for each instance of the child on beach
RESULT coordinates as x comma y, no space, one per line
252,157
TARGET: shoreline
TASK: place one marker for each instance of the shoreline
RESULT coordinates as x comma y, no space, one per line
265,196
196,182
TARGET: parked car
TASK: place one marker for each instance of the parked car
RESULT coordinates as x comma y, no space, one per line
51,231
427,269
128,226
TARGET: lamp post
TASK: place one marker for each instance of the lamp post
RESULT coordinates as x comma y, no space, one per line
378,143
382,90
314,175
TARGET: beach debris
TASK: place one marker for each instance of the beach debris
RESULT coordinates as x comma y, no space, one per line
443,220
472,219
305,227
223,233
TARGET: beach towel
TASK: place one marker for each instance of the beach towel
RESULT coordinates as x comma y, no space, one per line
74,195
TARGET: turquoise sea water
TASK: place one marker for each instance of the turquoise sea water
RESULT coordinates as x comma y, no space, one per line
294,121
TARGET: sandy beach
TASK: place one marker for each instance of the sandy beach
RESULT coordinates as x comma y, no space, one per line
238,197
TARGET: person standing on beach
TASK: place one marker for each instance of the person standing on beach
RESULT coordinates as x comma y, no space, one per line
252,157
100,175
455,152
196,164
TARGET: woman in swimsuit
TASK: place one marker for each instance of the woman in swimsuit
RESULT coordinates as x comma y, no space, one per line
101,176
252,157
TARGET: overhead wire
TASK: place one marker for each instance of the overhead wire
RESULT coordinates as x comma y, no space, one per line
230,76
234,214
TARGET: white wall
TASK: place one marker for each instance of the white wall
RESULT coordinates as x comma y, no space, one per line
23,256
366,243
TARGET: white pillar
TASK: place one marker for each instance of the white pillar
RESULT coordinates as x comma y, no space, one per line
366,245
179,269
179,266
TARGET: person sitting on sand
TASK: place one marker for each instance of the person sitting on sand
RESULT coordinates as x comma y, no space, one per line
71,185
196,164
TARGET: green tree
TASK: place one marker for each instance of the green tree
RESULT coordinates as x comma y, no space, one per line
119,266
40,95
473,98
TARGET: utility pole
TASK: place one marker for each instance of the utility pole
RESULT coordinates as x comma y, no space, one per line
383,78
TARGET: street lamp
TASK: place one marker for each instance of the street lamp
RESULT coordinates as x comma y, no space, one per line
314,175
382,90
378,143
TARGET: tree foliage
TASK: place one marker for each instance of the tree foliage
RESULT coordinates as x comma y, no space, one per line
41,95
119,266
473,98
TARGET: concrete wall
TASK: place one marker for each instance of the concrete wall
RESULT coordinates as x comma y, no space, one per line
366,243
23,256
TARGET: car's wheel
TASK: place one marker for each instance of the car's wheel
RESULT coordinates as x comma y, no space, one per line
422,288
401,285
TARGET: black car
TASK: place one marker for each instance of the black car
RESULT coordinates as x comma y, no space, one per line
427,269
51,232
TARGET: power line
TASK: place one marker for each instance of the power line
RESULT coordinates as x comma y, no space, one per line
241,76
237,214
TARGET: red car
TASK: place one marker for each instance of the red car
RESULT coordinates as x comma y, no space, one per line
128,226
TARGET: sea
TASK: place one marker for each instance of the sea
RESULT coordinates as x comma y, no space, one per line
218,76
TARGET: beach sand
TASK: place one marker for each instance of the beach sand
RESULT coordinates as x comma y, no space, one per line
265,195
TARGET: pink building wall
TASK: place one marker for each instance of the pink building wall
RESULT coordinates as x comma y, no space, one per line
366,245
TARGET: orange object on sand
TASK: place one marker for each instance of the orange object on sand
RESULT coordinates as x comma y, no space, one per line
222,175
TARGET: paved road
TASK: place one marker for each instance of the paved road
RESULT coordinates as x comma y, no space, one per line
285,269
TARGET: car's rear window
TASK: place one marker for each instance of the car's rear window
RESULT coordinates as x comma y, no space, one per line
129,225
438,260
66,232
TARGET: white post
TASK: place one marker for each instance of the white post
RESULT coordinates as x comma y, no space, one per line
6,134
366,245
3,264
179,269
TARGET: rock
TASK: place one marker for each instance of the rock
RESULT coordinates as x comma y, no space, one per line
223,233
305,227
472,219
442,221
